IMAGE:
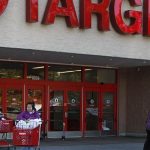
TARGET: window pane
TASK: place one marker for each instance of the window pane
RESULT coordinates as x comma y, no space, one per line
91,110
56,110
73,111
64,73
91,75
106,76
11,70
100,75
35,95
108,113
35,72
14,102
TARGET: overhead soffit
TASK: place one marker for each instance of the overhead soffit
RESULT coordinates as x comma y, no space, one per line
26,55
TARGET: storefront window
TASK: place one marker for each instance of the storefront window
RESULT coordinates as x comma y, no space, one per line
14,102
35,95
91,75
35,72
106,76
11,70
64,73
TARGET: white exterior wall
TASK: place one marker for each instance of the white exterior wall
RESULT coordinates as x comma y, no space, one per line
16,33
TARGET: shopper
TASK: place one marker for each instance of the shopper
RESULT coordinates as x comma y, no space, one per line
147,141
29,113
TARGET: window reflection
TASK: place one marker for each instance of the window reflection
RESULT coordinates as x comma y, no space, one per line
73,111
56,110
14,102
91,110
100,75
91,75
64,73
106,76
35,72
108,112
11,70
35,95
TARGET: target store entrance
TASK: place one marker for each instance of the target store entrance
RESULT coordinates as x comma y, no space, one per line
72,101
82,111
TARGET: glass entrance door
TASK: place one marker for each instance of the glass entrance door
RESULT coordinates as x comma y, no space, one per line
72,113
109,115
56,113
36,94
100,112
64,113
91,112
73,110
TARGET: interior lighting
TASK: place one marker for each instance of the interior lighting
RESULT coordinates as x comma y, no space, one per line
39,67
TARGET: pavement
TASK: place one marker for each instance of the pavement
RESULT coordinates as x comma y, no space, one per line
93,143
101,143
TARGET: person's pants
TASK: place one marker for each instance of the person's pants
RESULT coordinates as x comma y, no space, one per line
147,141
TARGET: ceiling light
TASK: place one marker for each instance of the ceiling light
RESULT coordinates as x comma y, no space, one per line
39,67
69,71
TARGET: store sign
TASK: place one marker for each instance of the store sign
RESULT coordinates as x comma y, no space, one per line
106,10
3,5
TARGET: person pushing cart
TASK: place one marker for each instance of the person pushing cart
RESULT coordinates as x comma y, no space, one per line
26,133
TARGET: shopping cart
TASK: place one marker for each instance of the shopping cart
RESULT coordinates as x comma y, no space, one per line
27,137
6,127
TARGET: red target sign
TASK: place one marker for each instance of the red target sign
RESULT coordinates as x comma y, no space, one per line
3,5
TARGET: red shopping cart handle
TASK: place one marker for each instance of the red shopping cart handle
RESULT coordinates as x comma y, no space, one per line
3,143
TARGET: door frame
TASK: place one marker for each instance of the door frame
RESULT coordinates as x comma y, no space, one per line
65,87
101,89
43,100
10,84
93,89
113,89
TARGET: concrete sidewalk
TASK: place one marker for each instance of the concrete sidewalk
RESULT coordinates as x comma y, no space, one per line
101,143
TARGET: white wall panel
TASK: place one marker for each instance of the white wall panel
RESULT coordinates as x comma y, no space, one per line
16,33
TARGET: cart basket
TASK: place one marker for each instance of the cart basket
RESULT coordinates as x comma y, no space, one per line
26,137
6,126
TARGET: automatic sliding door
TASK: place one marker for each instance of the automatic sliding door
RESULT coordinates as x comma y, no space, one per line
64,113
36,95
73,110
91,113
108,117
56,110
